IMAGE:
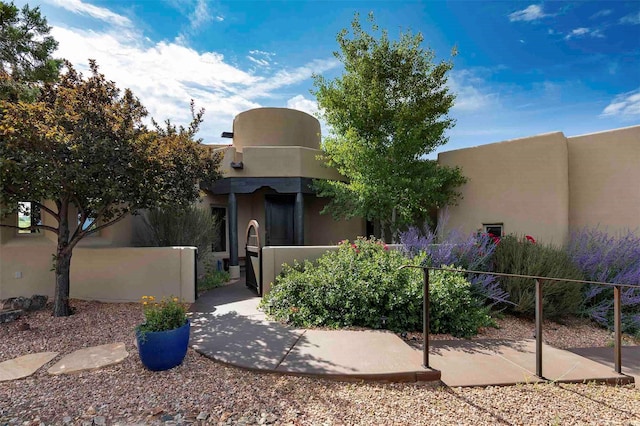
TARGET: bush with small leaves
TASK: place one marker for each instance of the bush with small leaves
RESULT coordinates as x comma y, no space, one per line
361,284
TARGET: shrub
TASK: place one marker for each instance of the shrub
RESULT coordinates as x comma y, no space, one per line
605,258
473,252
168,314
178,226
453,307
213,279
519,256
361,284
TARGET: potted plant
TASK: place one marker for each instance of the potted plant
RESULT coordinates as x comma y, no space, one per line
164,336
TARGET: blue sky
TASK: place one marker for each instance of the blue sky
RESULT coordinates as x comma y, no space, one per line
523,68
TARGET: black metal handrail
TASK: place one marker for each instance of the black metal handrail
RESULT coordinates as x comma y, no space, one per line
617,319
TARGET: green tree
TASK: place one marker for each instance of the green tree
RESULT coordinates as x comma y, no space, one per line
82,146
25,51
386,112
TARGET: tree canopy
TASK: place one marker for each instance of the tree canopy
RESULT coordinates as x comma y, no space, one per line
387,111
25,51
82,145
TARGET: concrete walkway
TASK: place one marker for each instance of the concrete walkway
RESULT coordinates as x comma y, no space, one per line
228,327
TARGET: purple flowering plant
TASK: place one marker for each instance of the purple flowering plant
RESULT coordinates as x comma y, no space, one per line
468,251
607,258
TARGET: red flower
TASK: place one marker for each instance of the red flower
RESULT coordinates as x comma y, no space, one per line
530,239
386,247
353,246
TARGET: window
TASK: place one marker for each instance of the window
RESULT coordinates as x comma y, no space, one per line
220,243
88,224
495,229
28,215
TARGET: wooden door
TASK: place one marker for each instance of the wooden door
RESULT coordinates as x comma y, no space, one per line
279,214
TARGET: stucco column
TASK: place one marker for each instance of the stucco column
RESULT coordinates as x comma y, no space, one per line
234,267
299,219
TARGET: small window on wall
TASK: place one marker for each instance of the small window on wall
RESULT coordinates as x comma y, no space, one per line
28,215
495,229
220,243
89,223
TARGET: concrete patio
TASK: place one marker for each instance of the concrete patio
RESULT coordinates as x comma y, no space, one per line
228,327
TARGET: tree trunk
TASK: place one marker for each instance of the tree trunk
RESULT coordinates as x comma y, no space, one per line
63,267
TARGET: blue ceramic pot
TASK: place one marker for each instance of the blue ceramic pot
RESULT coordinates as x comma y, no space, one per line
162,350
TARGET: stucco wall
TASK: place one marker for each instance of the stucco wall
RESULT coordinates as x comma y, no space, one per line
323,229
275,127
122,274
277,161
521,183
604,180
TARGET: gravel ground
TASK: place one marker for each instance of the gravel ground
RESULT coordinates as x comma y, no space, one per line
127,393
571,333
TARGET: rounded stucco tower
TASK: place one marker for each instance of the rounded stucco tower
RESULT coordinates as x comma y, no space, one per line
275,127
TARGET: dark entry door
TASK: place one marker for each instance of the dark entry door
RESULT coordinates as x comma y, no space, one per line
279,214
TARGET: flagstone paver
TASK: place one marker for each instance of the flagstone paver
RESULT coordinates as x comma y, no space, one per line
90,358
24,366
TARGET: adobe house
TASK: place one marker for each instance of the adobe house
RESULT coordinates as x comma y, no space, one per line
549,185
267,176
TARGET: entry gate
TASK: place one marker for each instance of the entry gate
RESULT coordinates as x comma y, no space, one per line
254,257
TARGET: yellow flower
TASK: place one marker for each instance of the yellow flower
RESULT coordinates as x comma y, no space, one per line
152,298
175,299
144,303
145,297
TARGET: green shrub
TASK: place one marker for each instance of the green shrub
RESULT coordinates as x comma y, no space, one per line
453,307
361,284
518,256
192,225
213,279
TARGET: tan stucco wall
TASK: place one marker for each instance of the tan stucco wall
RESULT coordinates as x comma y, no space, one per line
521,183
604,180
275,127
105,273
323,229
277,161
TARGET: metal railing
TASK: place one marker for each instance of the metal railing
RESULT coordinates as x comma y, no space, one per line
617,319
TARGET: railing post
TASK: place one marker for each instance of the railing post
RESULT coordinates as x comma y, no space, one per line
425,320
617,327
539,329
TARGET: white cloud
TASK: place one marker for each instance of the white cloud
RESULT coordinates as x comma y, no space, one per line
624,106
470,91
531,13
301,103
633,19
80,8
261,62
601,13
166,75
583,32
200,15
261,58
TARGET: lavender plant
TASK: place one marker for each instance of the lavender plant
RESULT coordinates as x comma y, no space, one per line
472,251
603,257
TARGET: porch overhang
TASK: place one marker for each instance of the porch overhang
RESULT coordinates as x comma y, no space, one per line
248,185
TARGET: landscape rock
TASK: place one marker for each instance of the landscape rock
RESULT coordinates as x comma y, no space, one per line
10,315
22,303
38,301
